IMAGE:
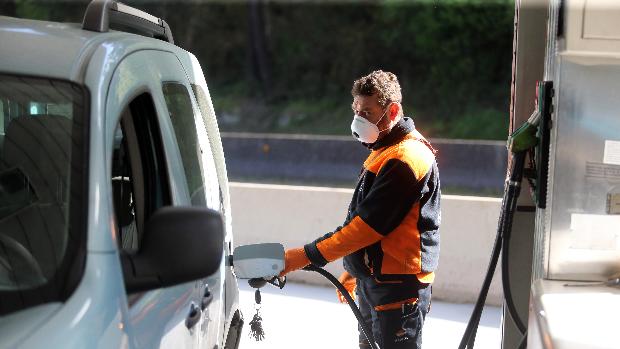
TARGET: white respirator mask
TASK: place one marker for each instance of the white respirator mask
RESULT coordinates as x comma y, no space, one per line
364,130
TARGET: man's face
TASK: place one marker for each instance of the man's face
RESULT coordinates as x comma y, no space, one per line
369,108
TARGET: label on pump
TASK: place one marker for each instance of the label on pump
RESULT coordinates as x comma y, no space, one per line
595,232
612,152
613,203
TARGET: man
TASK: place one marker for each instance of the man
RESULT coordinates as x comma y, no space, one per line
390,239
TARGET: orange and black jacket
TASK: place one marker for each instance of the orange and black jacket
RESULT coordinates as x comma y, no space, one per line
391,233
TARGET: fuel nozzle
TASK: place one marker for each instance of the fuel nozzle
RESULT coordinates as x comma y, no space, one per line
277,281
524,137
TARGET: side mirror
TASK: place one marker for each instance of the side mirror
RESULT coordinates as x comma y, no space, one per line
258,260
179,244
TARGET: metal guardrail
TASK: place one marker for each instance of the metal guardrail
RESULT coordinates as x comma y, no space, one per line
470,167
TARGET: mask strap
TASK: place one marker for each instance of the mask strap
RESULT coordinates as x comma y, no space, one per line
381,118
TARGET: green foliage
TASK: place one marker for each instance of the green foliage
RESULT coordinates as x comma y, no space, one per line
278,66
453,61
66,11
477,124
29,9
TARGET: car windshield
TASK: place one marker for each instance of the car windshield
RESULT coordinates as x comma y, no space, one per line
42,166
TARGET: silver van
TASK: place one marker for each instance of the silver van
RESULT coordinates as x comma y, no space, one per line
115,225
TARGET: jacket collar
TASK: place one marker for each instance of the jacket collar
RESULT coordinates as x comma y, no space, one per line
402,128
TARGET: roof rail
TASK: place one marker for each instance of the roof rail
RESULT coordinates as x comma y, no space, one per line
100,14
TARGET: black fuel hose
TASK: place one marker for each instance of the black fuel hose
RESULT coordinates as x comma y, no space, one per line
502,239
472,326
513,195
360,319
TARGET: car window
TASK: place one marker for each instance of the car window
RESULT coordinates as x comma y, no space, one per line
184,124
204,106
43,156
123,194
139,178
140,184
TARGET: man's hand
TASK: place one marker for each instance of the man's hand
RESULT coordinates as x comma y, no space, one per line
294,259
349,283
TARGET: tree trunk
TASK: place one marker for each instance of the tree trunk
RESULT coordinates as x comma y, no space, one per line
259,52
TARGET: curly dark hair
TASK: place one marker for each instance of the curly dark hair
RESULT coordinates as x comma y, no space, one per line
385,84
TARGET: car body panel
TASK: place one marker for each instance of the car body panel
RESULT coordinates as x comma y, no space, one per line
93,317
217,196
196,76
34,40
16,327
115,67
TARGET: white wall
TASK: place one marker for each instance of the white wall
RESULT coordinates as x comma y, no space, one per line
296,215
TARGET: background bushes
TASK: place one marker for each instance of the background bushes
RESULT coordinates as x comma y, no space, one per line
276,66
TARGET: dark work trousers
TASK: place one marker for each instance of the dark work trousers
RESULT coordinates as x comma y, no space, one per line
395,329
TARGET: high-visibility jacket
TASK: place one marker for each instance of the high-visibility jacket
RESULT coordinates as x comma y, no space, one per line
391,233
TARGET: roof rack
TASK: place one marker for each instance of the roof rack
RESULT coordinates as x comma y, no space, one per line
100,14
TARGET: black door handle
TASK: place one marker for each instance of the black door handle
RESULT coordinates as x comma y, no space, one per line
193,317
206,299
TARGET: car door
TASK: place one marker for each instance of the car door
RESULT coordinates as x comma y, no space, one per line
227,291
148,173
203,187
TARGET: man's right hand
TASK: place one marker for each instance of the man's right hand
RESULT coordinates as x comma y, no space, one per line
349,283
294,259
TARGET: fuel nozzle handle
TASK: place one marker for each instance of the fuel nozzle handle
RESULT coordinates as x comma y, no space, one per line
277,281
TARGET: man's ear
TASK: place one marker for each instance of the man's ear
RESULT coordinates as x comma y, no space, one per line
394,109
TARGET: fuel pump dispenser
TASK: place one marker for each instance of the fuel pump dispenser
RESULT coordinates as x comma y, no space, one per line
573,252
526,142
